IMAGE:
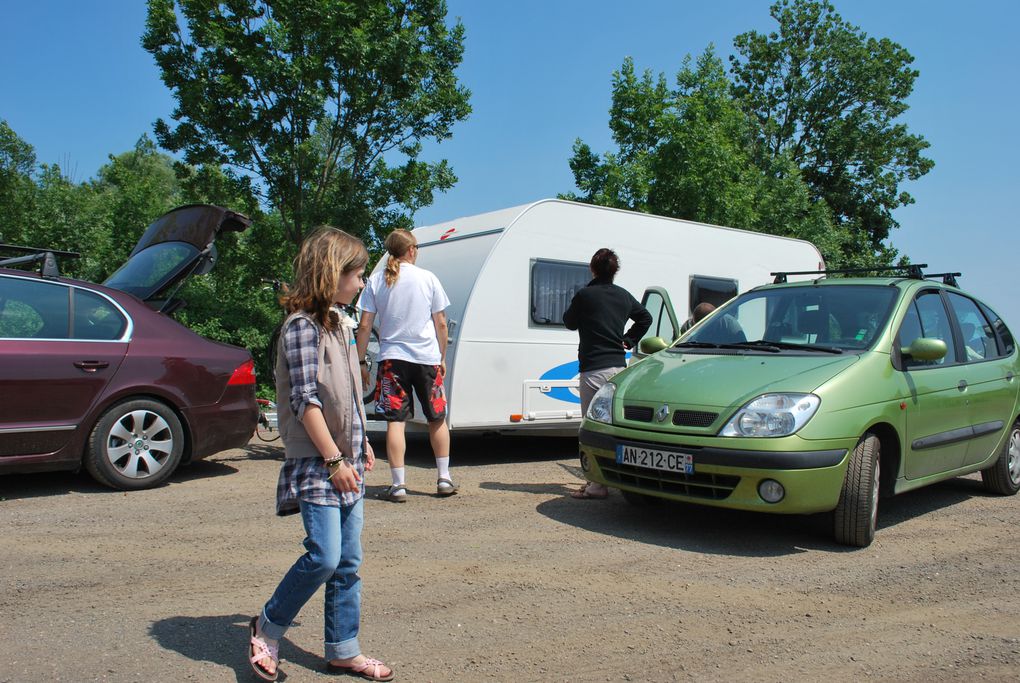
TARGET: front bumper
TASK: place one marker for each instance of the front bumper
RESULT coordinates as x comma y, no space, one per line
722,477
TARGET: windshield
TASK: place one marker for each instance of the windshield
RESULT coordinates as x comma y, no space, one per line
823,318
149,270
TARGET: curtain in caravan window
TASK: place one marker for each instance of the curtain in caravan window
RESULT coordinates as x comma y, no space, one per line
553,285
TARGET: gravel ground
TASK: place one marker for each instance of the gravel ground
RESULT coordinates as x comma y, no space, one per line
510,580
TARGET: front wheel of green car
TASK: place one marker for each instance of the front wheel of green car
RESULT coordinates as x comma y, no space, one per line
1004,476
856,514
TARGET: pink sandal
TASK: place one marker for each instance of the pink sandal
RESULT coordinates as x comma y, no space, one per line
362,670
258,650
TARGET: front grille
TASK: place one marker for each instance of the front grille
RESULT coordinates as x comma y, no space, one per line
704,485
637,413
693,418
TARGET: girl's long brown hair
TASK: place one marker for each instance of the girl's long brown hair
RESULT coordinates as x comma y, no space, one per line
325,255
398,243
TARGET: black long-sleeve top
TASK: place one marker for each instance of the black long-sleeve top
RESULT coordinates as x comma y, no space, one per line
599,313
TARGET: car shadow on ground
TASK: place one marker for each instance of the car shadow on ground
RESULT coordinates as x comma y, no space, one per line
480,450
705,529
259,450
15,486
221,640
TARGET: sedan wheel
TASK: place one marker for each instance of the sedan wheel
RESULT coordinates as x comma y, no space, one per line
135,445
856,514
1004,476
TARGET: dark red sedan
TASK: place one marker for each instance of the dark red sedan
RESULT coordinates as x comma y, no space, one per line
101,376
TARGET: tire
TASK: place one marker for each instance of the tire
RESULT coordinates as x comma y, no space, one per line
112,458
371,356
856,514
1003,477
640,499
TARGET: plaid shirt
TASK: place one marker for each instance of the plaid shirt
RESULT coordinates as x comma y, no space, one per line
307,479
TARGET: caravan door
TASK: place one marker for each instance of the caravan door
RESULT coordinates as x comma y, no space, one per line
664,322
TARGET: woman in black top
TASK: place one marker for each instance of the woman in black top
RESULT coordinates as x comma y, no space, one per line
599,313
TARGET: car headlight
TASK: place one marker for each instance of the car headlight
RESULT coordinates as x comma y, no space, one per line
772,415
601,407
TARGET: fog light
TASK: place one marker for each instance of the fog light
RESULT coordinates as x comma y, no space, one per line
771,491
585,465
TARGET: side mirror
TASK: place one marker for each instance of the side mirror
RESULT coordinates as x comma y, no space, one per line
650,345
924,348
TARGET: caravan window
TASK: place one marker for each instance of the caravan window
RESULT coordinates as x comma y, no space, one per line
553,285
714,290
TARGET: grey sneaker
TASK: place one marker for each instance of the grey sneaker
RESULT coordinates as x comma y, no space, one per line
445,487
395,494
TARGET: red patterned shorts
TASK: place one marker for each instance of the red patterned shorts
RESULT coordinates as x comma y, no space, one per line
395,382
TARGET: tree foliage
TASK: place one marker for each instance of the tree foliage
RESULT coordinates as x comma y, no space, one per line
828,95
801,142
689,152
318,106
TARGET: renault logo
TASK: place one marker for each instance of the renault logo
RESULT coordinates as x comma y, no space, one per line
662,413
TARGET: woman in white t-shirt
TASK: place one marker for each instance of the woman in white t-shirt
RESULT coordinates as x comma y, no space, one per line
406,304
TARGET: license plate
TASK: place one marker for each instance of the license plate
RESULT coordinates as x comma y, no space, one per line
670,461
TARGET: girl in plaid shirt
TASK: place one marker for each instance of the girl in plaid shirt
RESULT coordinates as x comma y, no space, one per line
327,454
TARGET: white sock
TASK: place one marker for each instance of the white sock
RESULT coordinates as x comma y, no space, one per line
443,465
397,474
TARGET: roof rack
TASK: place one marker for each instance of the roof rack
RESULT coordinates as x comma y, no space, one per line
914,270
47,258
947,278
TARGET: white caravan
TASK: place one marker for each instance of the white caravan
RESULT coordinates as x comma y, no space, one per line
510,274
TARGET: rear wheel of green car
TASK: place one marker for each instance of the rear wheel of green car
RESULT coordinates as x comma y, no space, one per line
1004,476
857,512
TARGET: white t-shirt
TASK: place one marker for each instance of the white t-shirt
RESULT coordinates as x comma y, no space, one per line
404,314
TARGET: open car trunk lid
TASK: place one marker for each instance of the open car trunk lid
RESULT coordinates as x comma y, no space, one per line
177,244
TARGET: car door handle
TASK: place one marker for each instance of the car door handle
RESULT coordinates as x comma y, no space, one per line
91,365
962,385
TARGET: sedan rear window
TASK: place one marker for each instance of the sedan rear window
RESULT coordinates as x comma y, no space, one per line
149,270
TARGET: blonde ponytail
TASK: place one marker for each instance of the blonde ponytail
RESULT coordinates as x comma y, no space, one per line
392,270
398,243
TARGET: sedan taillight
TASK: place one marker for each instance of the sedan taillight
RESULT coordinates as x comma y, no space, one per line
244,374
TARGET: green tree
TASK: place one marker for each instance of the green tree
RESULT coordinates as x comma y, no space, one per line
318,106
689,152
17,189
827,96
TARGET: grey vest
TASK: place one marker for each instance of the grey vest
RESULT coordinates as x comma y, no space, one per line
338,381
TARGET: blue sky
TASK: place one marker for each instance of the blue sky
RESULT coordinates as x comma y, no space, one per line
76,84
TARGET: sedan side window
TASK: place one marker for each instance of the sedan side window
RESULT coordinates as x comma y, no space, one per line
33,310
976,331
96,318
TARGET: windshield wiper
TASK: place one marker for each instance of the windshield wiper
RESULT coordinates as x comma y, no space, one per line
695,345
763,343
759,345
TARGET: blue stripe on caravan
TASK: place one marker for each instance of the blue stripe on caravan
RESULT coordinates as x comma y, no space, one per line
566,371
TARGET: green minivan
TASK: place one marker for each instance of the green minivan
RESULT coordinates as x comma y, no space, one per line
815,396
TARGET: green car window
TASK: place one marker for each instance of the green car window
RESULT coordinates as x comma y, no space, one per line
844,317
975,330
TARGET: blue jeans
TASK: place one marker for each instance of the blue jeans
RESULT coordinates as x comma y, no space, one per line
333,542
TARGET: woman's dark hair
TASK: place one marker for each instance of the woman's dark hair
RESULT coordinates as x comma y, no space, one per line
604,264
